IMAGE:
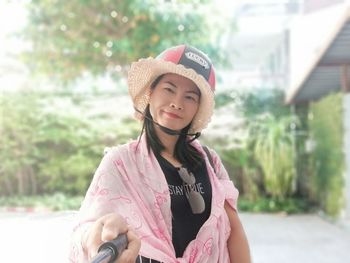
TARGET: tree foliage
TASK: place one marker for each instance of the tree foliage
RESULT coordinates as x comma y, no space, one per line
71,38
49,145
19,117
263,162
327,157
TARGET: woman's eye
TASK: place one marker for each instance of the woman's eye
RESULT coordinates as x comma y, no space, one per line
191,98
169,89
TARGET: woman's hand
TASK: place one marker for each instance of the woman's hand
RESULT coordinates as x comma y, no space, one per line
107,228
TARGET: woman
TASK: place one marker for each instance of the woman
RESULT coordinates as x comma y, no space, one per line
174,201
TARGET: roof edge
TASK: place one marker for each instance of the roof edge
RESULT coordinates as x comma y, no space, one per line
296,88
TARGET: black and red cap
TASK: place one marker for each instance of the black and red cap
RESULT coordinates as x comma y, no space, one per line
192,58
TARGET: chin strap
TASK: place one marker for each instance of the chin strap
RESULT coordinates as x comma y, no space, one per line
169,131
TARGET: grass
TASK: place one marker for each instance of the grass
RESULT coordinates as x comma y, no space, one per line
54,202
288,205
60,201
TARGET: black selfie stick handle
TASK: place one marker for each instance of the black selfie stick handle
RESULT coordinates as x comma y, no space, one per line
109,251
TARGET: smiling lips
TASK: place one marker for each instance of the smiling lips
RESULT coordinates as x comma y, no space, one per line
172,115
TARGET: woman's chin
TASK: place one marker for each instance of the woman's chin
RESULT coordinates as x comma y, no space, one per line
171,126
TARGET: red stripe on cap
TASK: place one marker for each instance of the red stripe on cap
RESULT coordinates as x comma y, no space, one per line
174,54
211,79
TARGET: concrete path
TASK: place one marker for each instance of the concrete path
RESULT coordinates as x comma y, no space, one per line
35,237
296,238
43,237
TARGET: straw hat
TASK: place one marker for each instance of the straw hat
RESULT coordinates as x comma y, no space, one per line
183,60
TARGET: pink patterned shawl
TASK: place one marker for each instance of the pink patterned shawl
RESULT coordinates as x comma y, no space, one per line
129,181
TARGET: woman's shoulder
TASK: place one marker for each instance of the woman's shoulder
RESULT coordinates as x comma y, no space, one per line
208,153
204,149
120,149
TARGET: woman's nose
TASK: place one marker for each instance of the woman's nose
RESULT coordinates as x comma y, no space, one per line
176,105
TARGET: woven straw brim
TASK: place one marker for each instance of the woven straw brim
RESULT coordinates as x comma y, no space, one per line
142,74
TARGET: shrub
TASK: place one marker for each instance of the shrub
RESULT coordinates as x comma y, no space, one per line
327,158
49,144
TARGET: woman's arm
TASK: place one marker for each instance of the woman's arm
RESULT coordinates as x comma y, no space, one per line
100,218
237,243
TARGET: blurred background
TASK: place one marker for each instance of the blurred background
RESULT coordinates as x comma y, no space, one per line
282,118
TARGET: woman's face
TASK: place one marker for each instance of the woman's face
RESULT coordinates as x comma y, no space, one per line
174,101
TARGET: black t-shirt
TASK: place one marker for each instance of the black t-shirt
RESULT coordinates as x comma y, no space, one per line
186,224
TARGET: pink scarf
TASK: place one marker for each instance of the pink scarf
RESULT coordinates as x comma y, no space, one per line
129,181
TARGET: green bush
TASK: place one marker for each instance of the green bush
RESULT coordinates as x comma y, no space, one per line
274,150
244,171
20,117
56,201
49,144
264,163
288,205
327,158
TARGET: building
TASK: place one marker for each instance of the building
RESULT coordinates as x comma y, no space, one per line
326,64
301,46
260,47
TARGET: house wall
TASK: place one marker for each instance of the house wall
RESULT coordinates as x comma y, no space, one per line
314,5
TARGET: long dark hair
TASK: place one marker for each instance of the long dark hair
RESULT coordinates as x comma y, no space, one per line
184,152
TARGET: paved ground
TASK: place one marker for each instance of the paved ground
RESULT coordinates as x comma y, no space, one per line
43,237
298,238
35,237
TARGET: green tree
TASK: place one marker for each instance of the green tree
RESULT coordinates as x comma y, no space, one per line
327,158
72,38
19,120
49,144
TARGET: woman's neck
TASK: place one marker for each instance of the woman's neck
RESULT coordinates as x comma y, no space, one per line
168,141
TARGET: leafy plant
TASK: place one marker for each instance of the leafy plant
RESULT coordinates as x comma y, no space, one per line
273,141
19,118
51,145
287,205
327,158
263,162
244,170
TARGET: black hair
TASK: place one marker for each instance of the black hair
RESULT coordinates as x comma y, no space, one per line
184,152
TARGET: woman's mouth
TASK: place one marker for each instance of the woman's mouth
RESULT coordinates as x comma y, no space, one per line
171,115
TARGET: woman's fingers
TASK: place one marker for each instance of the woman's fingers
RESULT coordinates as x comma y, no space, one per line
93,240
131,252
107,228
113,225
